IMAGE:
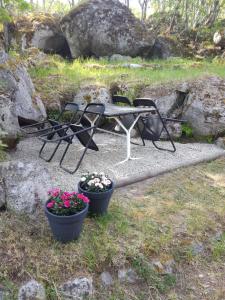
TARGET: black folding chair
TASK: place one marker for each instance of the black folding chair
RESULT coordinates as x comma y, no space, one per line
153,124
66,116
67,134
117,99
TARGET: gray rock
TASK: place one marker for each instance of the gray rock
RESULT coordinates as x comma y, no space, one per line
203,107
127,275
103,28
169,266
132,66
220,142
26,185
77,288
163,48
93,93
118,57
219,38
17,98
106,278
3,56
197,248
32,290
41,31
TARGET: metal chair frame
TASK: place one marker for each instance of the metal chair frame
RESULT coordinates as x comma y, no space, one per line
155,136
98,110
40,126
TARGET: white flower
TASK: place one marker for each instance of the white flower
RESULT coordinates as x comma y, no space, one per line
96,184
95,173
101,186
108,182
83,179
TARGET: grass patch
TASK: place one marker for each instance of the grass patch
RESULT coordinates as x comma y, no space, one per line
175,210
58,76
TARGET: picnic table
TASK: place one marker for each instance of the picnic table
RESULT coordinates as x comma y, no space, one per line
115,112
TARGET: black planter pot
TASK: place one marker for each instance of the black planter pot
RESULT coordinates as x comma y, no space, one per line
99,202
66,228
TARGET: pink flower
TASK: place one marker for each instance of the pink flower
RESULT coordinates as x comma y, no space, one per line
65,196
50,204
83,198
67,203
54,192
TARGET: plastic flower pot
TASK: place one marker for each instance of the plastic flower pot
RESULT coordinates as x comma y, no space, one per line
99,201
66,228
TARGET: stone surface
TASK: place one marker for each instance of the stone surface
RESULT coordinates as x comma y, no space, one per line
203,108
197,248
17,98
106,278
103,28
219,38
118,57
163,48
93,93
41,31
77,288
127,275
220,142
26,185
3,56
32,290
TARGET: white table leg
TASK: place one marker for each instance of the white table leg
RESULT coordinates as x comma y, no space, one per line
128,134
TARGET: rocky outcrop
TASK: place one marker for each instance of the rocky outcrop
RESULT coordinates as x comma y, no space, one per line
41,31
203,108
103,28
92,93
25,185
219,38
77,288
164,47
32,290
17,97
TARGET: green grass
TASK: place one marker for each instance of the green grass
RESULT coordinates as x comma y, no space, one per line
58,75
174,210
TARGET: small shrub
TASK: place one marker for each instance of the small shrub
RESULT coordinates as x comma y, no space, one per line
187,131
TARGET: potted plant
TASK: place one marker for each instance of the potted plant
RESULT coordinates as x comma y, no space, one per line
66,212
99,189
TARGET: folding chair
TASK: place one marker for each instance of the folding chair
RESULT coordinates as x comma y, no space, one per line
117,99
154,124
67,133
69,112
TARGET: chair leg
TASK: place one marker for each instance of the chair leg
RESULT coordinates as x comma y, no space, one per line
53,153
80,160
168,134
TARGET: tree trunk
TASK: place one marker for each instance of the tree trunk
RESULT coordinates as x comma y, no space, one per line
213,14
186,15
6,36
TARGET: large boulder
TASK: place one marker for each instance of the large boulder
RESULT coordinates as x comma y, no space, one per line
103,28
41,31
25,185
203,107
17,97
219,38
92,93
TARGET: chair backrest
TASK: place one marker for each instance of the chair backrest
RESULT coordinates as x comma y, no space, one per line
120,99
68,112
144,102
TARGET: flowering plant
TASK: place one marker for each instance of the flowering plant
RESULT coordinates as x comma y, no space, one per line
95,182
66,203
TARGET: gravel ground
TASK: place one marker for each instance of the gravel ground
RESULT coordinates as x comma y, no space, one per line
112,149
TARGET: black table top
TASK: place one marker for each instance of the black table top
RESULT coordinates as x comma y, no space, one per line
112,110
